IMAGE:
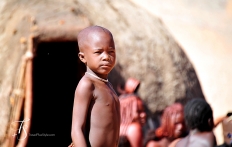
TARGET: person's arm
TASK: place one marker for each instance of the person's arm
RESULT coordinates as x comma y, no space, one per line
135,135
218,120
83,96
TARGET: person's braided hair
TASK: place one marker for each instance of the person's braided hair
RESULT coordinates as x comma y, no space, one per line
167,127
128,108
128,104
197,113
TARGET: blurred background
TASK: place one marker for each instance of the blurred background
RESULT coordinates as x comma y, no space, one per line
203,29
177,49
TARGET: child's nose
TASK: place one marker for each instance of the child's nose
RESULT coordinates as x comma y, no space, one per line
106,56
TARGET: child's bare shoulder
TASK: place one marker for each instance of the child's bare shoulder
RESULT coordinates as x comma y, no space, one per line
85,85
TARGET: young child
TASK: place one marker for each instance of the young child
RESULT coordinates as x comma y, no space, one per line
133,116
96,110
172,127
199,119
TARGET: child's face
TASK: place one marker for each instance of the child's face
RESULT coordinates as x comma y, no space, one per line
100,53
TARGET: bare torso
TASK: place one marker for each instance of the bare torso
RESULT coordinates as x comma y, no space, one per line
103,116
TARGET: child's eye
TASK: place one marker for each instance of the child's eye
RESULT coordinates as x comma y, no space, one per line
97,52
111,52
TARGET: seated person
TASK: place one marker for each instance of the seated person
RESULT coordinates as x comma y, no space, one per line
172,127
199,119
133,116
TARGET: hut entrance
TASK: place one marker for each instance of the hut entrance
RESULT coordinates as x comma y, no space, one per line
56,72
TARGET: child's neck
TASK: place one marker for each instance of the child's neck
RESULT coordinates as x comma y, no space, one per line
93,74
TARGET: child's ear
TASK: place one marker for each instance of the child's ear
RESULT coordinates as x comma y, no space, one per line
82,57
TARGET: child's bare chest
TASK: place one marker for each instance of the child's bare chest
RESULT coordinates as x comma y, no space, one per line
105,108
105,94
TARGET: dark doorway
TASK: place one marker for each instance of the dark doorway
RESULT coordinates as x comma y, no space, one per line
56,73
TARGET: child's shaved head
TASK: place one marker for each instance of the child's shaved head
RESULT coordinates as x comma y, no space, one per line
84,35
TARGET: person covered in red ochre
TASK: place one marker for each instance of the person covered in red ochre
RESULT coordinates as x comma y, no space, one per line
133,115
172,127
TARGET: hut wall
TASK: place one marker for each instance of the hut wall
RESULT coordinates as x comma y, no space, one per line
145,49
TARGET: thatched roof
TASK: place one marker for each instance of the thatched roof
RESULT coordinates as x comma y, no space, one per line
145,49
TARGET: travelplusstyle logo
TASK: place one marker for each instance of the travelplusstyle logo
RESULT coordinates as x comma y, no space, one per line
22,130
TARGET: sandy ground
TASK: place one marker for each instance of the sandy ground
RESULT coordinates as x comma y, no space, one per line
203,29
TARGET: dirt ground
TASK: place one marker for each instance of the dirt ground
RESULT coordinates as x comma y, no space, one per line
203,29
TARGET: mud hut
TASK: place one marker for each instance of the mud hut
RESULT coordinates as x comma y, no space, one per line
39,68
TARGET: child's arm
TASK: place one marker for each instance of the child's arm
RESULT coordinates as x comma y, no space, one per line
83,96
